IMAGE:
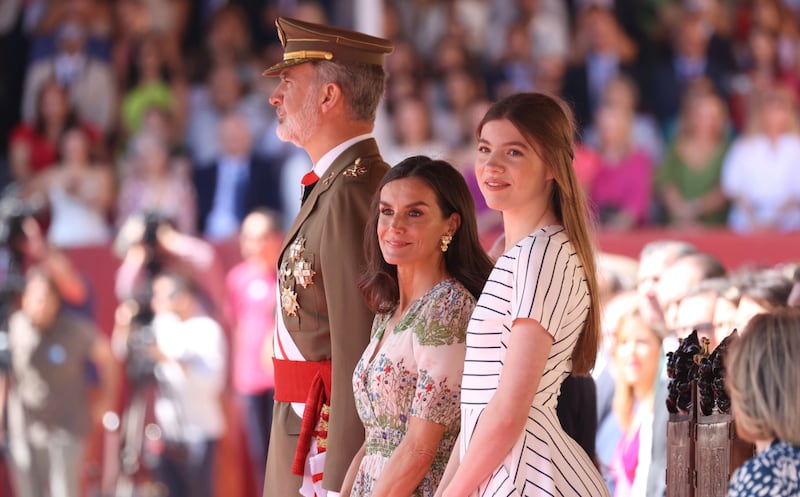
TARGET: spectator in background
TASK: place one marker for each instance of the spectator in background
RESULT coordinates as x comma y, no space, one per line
636,355
235,183
762,72
152,182
762,377
224,40
73,288
413,132
224,92
34,144
725,308
49,409
678,278
517,64
88,79
460,89
622,91
600,51
621,190
688,181
150,84
763,290
79,192
695,312
759,175
189,356
250,310
688,62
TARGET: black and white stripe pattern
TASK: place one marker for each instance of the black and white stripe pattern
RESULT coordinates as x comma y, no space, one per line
541,278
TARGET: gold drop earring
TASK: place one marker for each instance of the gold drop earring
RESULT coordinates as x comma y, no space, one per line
445,242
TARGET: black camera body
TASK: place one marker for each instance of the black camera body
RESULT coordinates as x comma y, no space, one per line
139,366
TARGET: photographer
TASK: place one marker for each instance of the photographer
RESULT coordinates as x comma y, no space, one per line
188,354
51,408
24,245
151,238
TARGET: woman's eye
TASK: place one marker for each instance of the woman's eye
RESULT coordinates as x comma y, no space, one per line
483,149
514,153
386,211
414,213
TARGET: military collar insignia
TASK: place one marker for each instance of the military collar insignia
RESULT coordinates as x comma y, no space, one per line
355,170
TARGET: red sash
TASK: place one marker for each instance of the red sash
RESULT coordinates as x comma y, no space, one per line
310,383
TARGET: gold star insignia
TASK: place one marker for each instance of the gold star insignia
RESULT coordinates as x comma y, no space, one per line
289,302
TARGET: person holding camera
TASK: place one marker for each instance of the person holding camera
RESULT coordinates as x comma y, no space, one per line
150,243
187,352
50,414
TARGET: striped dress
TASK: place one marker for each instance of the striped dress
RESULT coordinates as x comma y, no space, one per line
540,278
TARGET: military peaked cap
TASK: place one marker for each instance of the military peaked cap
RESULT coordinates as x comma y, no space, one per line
305,41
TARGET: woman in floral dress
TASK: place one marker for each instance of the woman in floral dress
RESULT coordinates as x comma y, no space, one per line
425,270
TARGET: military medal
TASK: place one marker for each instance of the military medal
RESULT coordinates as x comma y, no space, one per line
303,273
289,301
297,248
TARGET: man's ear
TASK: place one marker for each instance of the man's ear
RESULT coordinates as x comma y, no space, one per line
331,96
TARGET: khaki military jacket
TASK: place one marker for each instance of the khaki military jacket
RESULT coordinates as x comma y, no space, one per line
323,310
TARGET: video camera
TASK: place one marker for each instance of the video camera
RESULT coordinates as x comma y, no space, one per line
139,365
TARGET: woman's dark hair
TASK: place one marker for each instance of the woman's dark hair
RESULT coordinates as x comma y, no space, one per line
71,118
548,125
465,260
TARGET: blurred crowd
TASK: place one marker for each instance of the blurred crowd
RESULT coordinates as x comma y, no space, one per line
146,124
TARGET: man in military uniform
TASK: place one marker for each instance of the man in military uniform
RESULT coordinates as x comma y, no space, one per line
331,83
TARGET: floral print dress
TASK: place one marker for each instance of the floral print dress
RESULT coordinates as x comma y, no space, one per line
416,372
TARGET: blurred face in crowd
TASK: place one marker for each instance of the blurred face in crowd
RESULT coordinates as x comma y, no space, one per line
614,127
54,103
696,312
637,353
777,115
234,136
706,116
40,302
296,103
749,307
724,318
651,268
511,174
75,147
411,223
225,87
259,238
152,156
676,280
412,122
167,297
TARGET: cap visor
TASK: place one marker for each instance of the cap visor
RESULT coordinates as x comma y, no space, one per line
280,66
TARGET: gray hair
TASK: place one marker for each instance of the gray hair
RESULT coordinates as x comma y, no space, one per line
361,84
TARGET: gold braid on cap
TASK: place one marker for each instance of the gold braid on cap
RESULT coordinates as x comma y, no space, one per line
308,54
